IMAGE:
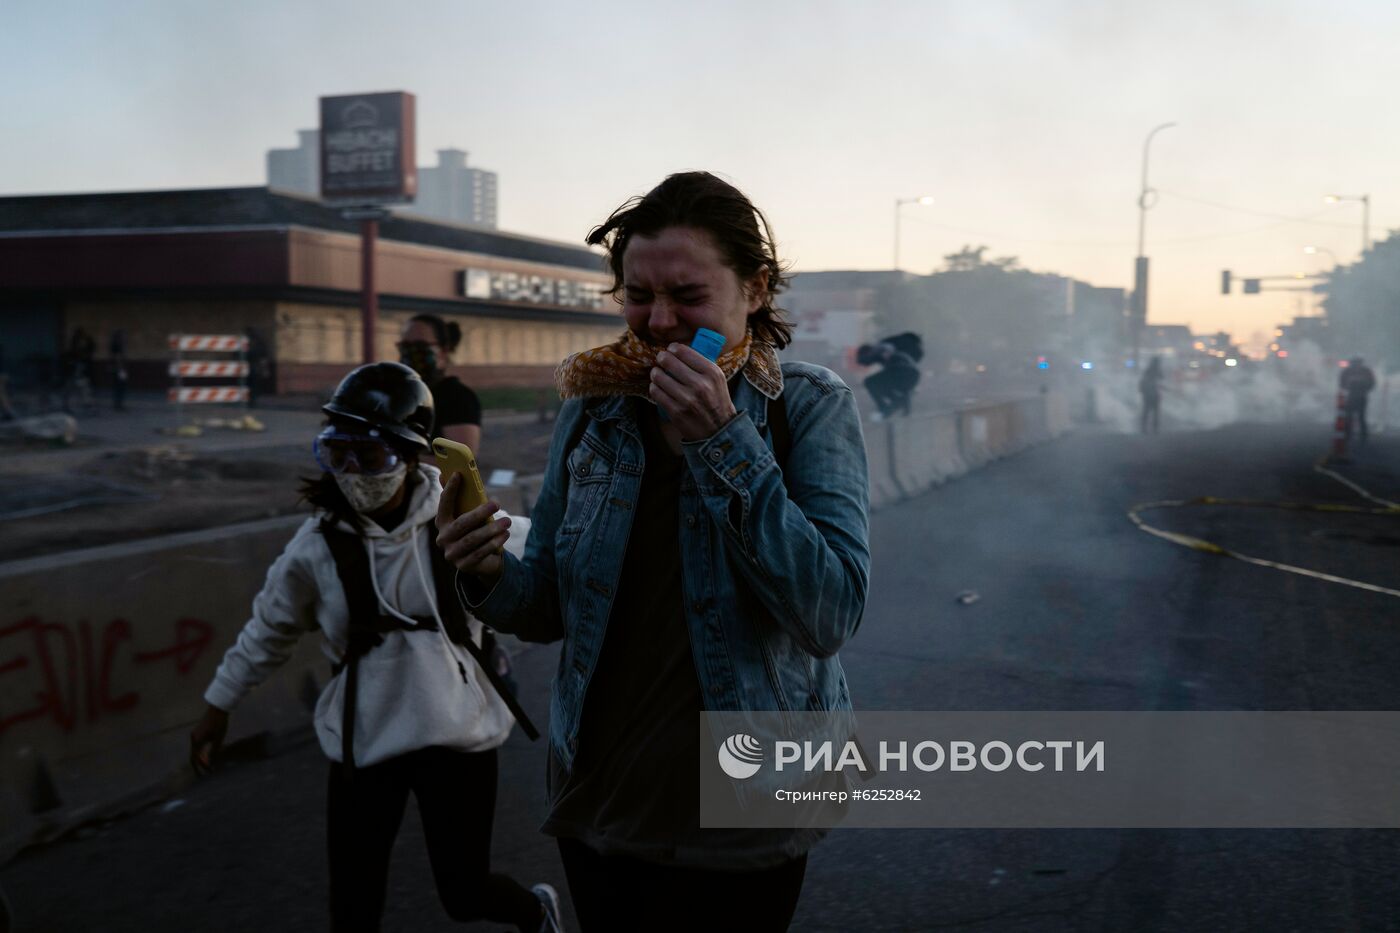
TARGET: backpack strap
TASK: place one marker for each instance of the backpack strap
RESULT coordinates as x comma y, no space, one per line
352,566
454,619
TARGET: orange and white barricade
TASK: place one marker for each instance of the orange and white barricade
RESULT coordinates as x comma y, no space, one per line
200,369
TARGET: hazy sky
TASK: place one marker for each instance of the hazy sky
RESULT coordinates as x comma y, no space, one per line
1025,120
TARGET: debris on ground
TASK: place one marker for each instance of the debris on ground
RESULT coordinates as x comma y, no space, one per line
184,430
169,463
53,429
246,423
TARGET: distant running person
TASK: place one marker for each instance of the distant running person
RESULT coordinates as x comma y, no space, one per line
409,710
1357,380
1150,385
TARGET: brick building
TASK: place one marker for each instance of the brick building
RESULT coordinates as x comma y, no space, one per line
220,260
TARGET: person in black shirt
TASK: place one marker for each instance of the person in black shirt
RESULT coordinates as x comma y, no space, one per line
426,346
1356,381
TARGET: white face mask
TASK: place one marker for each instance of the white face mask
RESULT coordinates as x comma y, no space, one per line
368,492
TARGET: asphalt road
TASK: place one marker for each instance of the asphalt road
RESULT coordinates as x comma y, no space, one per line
1077,610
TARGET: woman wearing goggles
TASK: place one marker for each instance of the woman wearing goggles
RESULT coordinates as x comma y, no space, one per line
342,450
409,710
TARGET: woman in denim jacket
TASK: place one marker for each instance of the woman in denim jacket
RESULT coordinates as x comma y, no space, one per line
700,543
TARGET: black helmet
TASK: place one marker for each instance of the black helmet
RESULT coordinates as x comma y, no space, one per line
387,396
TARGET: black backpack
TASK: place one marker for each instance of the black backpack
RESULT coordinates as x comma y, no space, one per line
908,343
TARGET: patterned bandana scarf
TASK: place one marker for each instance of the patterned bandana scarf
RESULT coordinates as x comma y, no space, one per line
624,367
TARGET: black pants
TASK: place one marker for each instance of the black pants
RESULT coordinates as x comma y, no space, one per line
891,388
618,894
1151,411
1356,414
456,794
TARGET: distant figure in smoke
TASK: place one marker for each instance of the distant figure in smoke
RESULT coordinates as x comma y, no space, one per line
1356,381
1150,385
78,372
259,378
116,349
892,387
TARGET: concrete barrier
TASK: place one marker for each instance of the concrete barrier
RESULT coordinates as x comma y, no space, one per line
983,433
925,451
104,657
947,460
879,443
1030,421
910,455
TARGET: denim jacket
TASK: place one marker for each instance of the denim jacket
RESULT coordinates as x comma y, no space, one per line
775,562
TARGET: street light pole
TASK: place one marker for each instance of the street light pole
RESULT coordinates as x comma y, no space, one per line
1365,200
900,202
1145,191
1140,266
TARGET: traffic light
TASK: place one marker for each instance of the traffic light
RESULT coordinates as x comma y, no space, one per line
1251,286
1225,281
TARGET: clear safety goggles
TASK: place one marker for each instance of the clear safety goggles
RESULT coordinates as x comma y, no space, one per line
337,450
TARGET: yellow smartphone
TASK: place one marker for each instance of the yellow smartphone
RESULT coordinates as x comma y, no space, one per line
453,457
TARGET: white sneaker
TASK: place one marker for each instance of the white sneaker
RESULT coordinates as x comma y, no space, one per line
549,899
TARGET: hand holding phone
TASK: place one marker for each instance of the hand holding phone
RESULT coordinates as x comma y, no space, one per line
453,457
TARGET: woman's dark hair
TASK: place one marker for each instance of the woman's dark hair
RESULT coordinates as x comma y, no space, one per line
448,333
702,201
323,493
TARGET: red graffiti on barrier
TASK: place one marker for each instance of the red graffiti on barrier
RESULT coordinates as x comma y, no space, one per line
75,681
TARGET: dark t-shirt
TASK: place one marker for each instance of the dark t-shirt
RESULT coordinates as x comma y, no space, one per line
635,785
1357,381
453,403
635,781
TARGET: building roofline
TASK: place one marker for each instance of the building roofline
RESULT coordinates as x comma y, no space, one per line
261,207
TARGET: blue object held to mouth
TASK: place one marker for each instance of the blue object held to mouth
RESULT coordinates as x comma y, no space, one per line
707,343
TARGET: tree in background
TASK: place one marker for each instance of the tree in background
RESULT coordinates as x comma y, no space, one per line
978,311
1363,305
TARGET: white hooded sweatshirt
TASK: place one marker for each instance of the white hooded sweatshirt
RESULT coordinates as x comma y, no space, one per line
411,693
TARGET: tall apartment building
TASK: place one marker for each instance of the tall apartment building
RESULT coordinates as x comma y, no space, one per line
453,192
297,169
450,191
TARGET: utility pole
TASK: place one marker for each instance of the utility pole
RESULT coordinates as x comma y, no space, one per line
1146,200
900,202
